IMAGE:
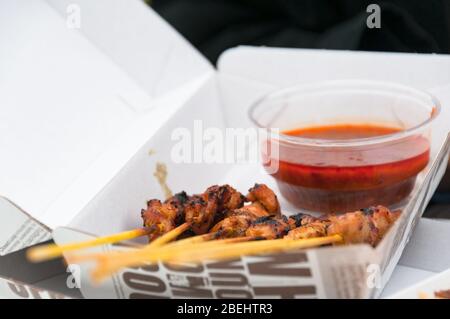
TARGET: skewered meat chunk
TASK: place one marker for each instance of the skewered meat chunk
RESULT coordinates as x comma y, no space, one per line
367,225
238,221
233,226
269,228
381,217
200,210
277,227
354,227
178,201
159,218
216,202
264,204
264,196
255,211
442,294
229,199
302,219
364,226
311,230
223,207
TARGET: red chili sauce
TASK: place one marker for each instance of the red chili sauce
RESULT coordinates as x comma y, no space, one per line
343,179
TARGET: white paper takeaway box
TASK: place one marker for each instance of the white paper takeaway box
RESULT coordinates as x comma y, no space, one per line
77,104
80,117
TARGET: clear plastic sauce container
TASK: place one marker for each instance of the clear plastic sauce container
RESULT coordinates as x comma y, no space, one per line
346,145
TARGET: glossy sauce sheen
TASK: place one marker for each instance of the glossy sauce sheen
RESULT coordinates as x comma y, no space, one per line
343,131
343,180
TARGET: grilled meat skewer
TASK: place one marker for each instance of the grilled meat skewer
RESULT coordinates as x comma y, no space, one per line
235,224
364,226
206,209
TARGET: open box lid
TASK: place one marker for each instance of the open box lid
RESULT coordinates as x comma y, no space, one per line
419,70
73,94
257,71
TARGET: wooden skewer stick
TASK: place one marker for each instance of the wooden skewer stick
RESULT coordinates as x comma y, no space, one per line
196,239
51,251
206,251
169,236
200,239
252,248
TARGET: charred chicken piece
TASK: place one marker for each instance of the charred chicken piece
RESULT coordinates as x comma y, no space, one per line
302,219
277,227
269,227
261,194
200,211
178,201
364,226
238,221
311,230
228,198
159,218
442,294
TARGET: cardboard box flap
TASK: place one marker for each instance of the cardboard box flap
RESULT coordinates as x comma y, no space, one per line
422,71
68,98
257,71
139,41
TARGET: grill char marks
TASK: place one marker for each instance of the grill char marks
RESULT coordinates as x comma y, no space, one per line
262,195
159,218
201,210
364,226
269,228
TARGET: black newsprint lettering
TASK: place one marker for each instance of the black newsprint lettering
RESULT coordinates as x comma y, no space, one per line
234,264
54,295
149,268
138,295
228,279
285,292
233,294
35,293
194,288
24,291
19,290
185,267
281,265
151,286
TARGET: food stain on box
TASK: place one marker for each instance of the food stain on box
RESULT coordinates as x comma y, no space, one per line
161,176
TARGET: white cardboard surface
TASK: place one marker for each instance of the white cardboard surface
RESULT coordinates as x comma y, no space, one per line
426,254
425,288
72,100
254,71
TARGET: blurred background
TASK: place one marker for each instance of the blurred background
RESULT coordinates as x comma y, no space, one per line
215,25
212,26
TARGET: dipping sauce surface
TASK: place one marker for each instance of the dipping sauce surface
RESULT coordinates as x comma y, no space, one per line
343,131
341,178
